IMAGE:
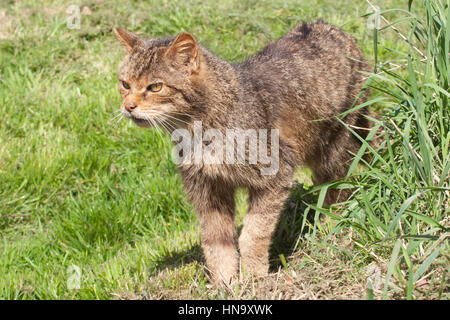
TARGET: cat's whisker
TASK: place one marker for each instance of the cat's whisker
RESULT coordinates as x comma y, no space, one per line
162,124
162,118
152,120
177,119
169,116
117,122
115,117
173,127
156,115
167,125
158,129
182,114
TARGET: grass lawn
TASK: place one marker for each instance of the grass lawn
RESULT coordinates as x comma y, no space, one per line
78,188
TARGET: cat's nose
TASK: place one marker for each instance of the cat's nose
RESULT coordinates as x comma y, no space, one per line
129,106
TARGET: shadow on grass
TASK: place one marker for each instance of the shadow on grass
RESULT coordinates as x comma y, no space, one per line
173,260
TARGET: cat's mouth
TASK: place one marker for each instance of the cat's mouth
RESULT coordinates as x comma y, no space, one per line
138,120
141,122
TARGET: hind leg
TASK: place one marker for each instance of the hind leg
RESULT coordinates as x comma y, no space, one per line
332,164
324,174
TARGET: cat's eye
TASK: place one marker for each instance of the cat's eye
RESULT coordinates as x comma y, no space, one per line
125,85
155,87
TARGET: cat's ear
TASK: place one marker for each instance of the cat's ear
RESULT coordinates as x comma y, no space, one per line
128,39
183,51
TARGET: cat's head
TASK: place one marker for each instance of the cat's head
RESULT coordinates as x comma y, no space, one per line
156,78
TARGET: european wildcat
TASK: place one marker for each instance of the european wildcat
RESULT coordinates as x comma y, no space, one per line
311,73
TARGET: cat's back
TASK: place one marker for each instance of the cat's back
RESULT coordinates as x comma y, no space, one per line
314,65
307,43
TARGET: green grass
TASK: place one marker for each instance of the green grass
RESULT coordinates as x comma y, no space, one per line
77,188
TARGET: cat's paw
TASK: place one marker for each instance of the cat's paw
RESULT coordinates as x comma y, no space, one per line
254,266
222,279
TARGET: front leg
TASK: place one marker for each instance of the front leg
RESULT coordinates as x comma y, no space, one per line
259,226
214,203
219,244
